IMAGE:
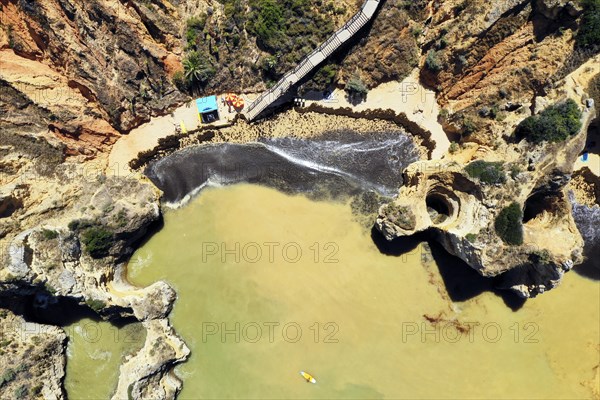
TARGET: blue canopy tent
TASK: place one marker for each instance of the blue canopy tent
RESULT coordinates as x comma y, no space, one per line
208,109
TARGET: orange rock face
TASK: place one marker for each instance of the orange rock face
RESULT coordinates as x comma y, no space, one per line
86,71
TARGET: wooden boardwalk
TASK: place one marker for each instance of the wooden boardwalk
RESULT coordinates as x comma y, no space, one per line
312,61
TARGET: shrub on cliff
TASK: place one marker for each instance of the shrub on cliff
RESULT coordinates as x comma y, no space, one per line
21,392
268,23
289,29
7,377
97,241
555,124
487,172
356,87
509,224
194,28
95,304
49,234
589,28
322,79
432,62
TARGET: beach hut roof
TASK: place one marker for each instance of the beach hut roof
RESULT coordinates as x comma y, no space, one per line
207,104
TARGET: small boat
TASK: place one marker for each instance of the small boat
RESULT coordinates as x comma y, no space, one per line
308,377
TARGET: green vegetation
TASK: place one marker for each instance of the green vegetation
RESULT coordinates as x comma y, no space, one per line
509,225
195,25
471,237
356,87
324,78
97,241
211,42
121,218
197,70
95,304
77,224
454,147
468,126
540,257
217,44
290,29
588,35
21,392
555,124
515,170
130,392
486,172
8,376
268,23
489,112
11,36
432,62
48,234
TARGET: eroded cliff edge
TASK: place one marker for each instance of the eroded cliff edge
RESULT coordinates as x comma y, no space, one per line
75,77
72,244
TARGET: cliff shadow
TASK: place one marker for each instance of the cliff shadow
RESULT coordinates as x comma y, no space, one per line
592,141
43,308
398,246
62,311
463,282
590,268
460,280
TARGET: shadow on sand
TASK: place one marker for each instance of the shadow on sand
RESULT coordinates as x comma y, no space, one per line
461,281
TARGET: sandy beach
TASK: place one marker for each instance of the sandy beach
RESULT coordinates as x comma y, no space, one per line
407,97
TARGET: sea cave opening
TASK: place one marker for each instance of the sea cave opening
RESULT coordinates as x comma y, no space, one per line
438,207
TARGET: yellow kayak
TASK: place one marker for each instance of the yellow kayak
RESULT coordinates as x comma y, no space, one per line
308,377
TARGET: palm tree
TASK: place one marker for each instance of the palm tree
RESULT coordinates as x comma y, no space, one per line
197,72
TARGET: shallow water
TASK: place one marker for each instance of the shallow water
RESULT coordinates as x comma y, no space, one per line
311,291
95,351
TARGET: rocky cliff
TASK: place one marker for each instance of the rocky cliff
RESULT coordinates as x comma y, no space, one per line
66,229
87,71
32,356
75,76
461,208
493,64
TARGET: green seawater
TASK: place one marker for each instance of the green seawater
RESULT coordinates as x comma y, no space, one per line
243,303
95,351
270,284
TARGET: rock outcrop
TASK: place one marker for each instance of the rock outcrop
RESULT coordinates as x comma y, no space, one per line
32,357
461,211
72,243
87,71
483,52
